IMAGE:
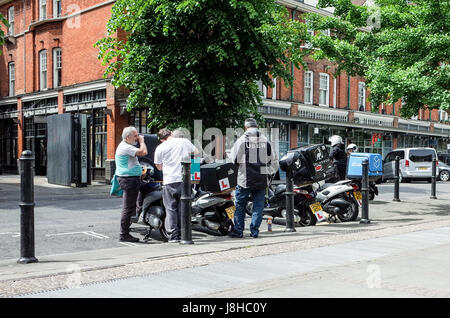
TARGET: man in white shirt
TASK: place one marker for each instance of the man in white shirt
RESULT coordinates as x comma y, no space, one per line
168,157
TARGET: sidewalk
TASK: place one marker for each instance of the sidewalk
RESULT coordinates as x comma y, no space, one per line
55,271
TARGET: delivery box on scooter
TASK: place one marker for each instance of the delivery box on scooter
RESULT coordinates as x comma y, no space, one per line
218,176
354,166
308,163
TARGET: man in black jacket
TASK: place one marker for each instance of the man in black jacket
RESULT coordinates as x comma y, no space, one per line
256,158
338,155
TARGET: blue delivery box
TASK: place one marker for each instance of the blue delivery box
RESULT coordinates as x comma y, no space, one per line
354,165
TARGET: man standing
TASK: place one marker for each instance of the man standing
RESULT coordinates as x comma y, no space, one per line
257,160
128,172
168,157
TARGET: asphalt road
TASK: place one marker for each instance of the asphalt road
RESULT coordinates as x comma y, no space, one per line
70,223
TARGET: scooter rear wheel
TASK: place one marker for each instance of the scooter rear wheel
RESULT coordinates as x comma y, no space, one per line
351,213
307,218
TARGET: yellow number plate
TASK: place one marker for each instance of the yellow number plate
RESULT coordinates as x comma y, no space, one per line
358,195
230,212
316,207
423,168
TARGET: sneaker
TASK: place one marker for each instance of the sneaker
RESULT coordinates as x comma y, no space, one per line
235,235
174,241
128,238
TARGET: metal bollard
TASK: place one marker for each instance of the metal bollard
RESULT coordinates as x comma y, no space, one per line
27,208
186,204
397,179
433,179
290,227
365,192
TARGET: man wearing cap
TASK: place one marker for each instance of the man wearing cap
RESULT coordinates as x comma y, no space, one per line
257,160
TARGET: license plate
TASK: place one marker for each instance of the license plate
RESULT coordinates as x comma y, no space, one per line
317,209
358,195
423,168
230,212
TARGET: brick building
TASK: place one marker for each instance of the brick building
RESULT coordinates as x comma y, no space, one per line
49,66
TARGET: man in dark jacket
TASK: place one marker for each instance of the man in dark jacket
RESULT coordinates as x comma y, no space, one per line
256,158
338,156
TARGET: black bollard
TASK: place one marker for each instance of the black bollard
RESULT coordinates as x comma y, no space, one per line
186,204
290,227
27,208
433,179
365,192
397,179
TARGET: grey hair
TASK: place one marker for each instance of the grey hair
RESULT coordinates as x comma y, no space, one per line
180,133
127,131
250,122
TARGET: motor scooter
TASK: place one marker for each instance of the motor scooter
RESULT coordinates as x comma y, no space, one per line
151,211
339,200
275,203
215,211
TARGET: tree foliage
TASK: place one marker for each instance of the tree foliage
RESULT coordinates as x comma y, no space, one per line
2,34
199,59
400,47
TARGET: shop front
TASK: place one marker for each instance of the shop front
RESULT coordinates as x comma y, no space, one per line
8,138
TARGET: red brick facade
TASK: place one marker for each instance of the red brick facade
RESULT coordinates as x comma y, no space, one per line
83,22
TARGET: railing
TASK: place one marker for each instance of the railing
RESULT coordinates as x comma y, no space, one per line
319,114
274,110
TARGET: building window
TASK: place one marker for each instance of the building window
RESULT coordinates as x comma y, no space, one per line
362,96
56,8
43,69
42,9
310,33
324,90
308,87
11,21
12,78
262,88
57,67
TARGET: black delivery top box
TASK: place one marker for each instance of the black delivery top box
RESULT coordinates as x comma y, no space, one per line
218,176
315,164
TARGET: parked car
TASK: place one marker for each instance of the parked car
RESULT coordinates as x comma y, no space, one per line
444,157
443,171
415,164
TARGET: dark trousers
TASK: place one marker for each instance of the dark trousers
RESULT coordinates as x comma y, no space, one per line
130,187
172,204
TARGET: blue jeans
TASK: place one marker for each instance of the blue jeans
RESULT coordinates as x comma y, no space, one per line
242,198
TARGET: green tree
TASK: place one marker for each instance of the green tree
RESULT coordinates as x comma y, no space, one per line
2,34
199,59
400,47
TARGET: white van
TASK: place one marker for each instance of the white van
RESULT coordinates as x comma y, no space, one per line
415,163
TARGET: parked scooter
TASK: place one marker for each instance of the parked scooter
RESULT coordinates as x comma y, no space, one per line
307,205
339,200
152,211
215,211
275,205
